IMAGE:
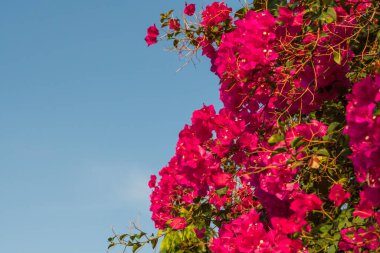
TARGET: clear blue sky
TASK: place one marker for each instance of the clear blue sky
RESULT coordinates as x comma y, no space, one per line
87,113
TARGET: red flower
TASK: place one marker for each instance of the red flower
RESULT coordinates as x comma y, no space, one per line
200,232
215,14
288,225
221,179
189,9
174,24
178,223
338,195
304,203
369,202
152,33
152,181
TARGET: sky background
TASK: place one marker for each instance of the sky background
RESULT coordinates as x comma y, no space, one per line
87,113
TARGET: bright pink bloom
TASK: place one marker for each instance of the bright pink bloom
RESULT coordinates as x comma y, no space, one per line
359,239
338,195
304,203
288,225
178,223
247,234
152,33
152,181
221,179
369,202
189,9
200,232
363,129
307,131
215,14
174,24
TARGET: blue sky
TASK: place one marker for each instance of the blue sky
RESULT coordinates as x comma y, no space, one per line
87,113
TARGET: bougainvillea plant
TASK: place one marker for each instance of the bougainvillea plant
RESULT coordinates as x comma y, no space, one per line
291,163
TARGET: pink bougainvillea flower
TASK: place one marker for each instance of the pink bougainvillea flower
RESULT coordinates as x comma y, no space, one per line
215,14
152,181
363,129
227,161
359,239
243,232
152,33
338,195
247,234
304,203
220,179
369,201
174,24
178,223
200,232
288,225
189,9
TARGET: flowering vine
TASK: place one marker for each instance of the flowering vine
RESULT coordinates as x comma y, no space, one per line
291,163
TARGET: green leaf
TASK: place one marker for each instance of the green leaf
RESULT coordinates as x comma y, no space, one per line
276,138
111,245
296,164
337,57
345,6
217,223
169,12
332,249
154,243
296,142
278,151
289,161
343,222
312,115
337,236
326,137
328,2
376,110
175,43
289,63
136,247
222,191
329,15
368,57
241,13
121,237
274,5
162,17
325,228
323,152
140,235
194,42
358,221
215,29
332,127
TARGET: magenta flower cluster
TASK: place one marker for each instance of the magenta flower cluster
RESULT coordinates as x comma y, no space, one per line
243,162
363,128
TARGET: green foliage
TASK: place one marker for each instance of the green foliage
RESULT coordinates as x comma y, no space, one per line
274,139
183,241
